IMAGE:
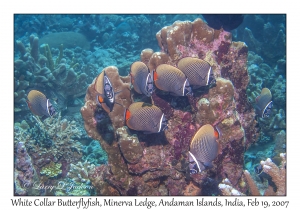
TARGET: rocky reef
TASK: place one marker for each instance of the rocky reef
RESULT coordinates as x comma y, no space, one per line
157,164
58,74
44,153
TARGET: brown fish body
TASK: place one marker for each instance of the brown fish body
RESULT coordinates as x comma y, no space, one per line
204,147
198,71
171,79
145,117
141,78
39,104
264,103
99,83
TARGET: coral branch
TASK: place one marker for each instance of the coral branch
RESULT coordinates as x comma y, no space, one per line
278,174
227,189
253,188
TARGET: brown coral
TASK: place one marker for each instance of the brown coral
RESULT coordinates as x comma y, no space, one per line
163,167
277,174
227,188
156,59
177,34
129,145
146,55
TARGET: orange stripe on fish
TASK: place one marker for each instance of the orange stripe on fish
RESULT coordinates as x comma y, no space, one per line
127,114
100,99
216,134
155,77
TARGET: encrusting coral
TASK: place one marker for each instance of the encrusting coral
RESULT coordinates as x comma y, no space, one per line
24,174
227,189
79,172
51,140
51,170
129,145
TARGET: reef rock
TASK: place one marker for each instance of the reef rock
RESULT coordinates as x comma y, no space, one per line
129,145
157,164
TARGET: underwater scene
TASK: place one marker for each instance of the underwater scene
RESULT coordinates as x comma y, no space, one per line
149,104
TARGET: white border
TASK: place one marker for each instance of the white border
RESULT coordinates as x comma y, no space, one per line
155,6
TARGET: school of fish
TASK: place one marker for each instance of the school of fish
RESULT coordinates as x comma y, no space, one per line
190,73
